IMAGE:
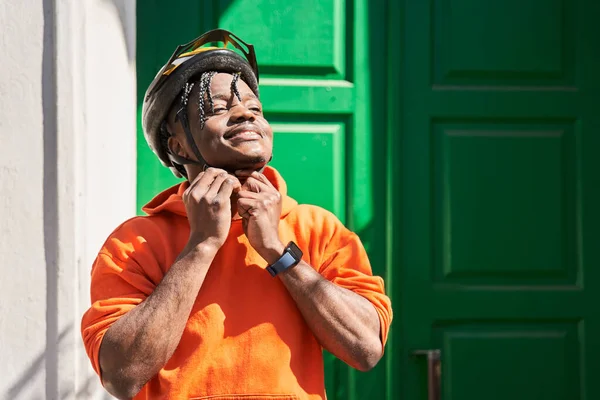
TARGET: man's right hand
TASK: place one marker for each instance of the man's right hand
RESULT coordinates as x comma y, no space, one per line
208,206
141,342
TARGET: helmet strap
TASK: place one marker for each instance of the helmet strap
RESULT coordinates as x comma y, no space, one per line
183,119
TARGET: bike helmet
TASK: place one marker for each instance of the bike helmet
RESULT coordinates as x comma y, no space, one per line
187,62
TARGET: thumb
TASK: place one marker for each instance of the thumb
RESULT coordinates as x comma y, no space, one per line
237,186
251,185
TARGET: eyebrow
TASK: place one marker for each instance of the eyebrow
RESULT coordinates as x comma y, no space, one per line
223,96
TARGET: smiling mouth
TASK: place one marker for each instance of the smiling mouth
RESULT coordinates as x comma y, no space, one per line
244,135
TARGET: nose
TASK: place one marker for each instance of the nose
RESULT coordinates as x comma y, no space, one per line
241,114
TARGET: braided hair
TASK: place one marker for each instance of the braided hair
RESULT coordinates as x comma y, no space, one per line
234,85
204,94
205,82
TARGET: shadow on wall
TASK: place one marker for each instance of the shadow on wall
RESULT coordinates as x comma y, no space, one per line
63,342
50,200
19,388
66,341
126,11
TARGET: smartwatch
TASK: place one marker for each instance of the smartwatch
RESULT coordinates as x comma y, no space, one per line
290,258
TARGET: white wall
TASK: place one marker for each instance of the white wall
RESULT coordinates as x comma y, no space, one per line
67,178
22,258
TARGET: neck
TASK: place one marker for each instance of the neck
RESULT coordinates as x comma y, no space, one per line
193,172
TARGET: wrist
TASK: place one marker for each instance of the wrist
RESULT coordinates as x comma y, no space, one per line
198,243
272,253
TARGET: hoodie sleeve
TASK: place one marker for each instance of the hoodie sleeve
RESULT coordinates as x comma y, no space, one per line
122,277
345,263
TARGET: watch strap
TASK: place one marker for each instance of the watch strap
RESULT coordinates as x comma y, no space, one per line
285,261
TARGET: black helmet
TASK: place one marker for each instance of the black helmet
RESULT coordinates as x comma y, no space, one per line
190,60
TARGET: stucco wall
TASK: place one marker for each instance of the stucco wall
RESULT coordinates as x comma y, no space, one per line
67,178
23,282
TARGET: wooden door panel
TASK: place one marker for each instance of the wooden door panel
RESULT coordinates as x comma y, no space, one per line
505,202
499,242
323,167
510,359
302,38
503,43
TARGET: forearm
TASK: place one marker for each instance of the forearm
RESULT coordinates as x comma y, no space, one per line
140,343
344,323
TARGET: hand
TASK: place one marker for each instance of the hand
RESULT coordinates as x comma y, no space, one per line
259,205
208,206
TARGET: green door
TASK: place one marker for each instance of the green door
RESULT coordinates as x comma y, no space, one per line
315,87
496,177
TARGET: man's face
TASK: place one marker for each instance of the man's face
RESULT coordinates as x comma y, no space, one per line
235,135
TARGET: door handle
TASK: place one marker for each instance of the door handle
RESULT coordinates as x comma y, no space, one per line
434,372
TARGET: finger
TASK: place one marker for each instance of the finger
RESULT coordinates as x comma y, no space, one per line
209,176
256,185
227,188
244,172
254,206
263,179
186,195
212,173
236,185
207,173
248,194
224,181
195,181
247,173
215,186
203,183
247,207
251,185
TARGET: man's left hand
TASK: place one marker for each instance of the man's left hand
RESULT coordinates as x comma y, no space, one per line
259,205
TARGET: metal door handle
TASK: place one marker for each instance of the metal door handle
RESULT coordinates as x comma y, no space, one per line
434,372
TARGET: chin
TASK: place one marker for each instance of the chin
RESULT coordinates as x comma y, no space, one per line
254,161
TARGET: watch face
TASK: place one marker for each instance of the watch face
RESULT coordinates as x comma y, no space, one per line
294,251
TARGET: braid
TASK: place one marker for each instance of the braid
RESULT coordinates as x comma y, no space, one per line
205,81
234,85
209,78
183,101
185,94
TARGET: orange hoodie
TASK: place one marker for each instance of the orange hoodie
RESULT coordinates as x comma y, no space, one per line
245,337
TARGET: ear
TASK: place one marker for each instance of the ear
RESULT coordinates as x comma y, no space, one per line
176,147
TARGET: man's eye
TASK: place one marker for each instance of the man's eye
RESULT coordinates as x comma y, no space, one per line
219,110
255,109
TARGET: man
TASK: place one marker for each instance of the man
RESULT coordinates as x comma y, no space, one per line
227,289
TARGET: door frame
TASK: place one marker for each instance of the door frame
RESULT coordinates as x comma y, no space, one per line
396,365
